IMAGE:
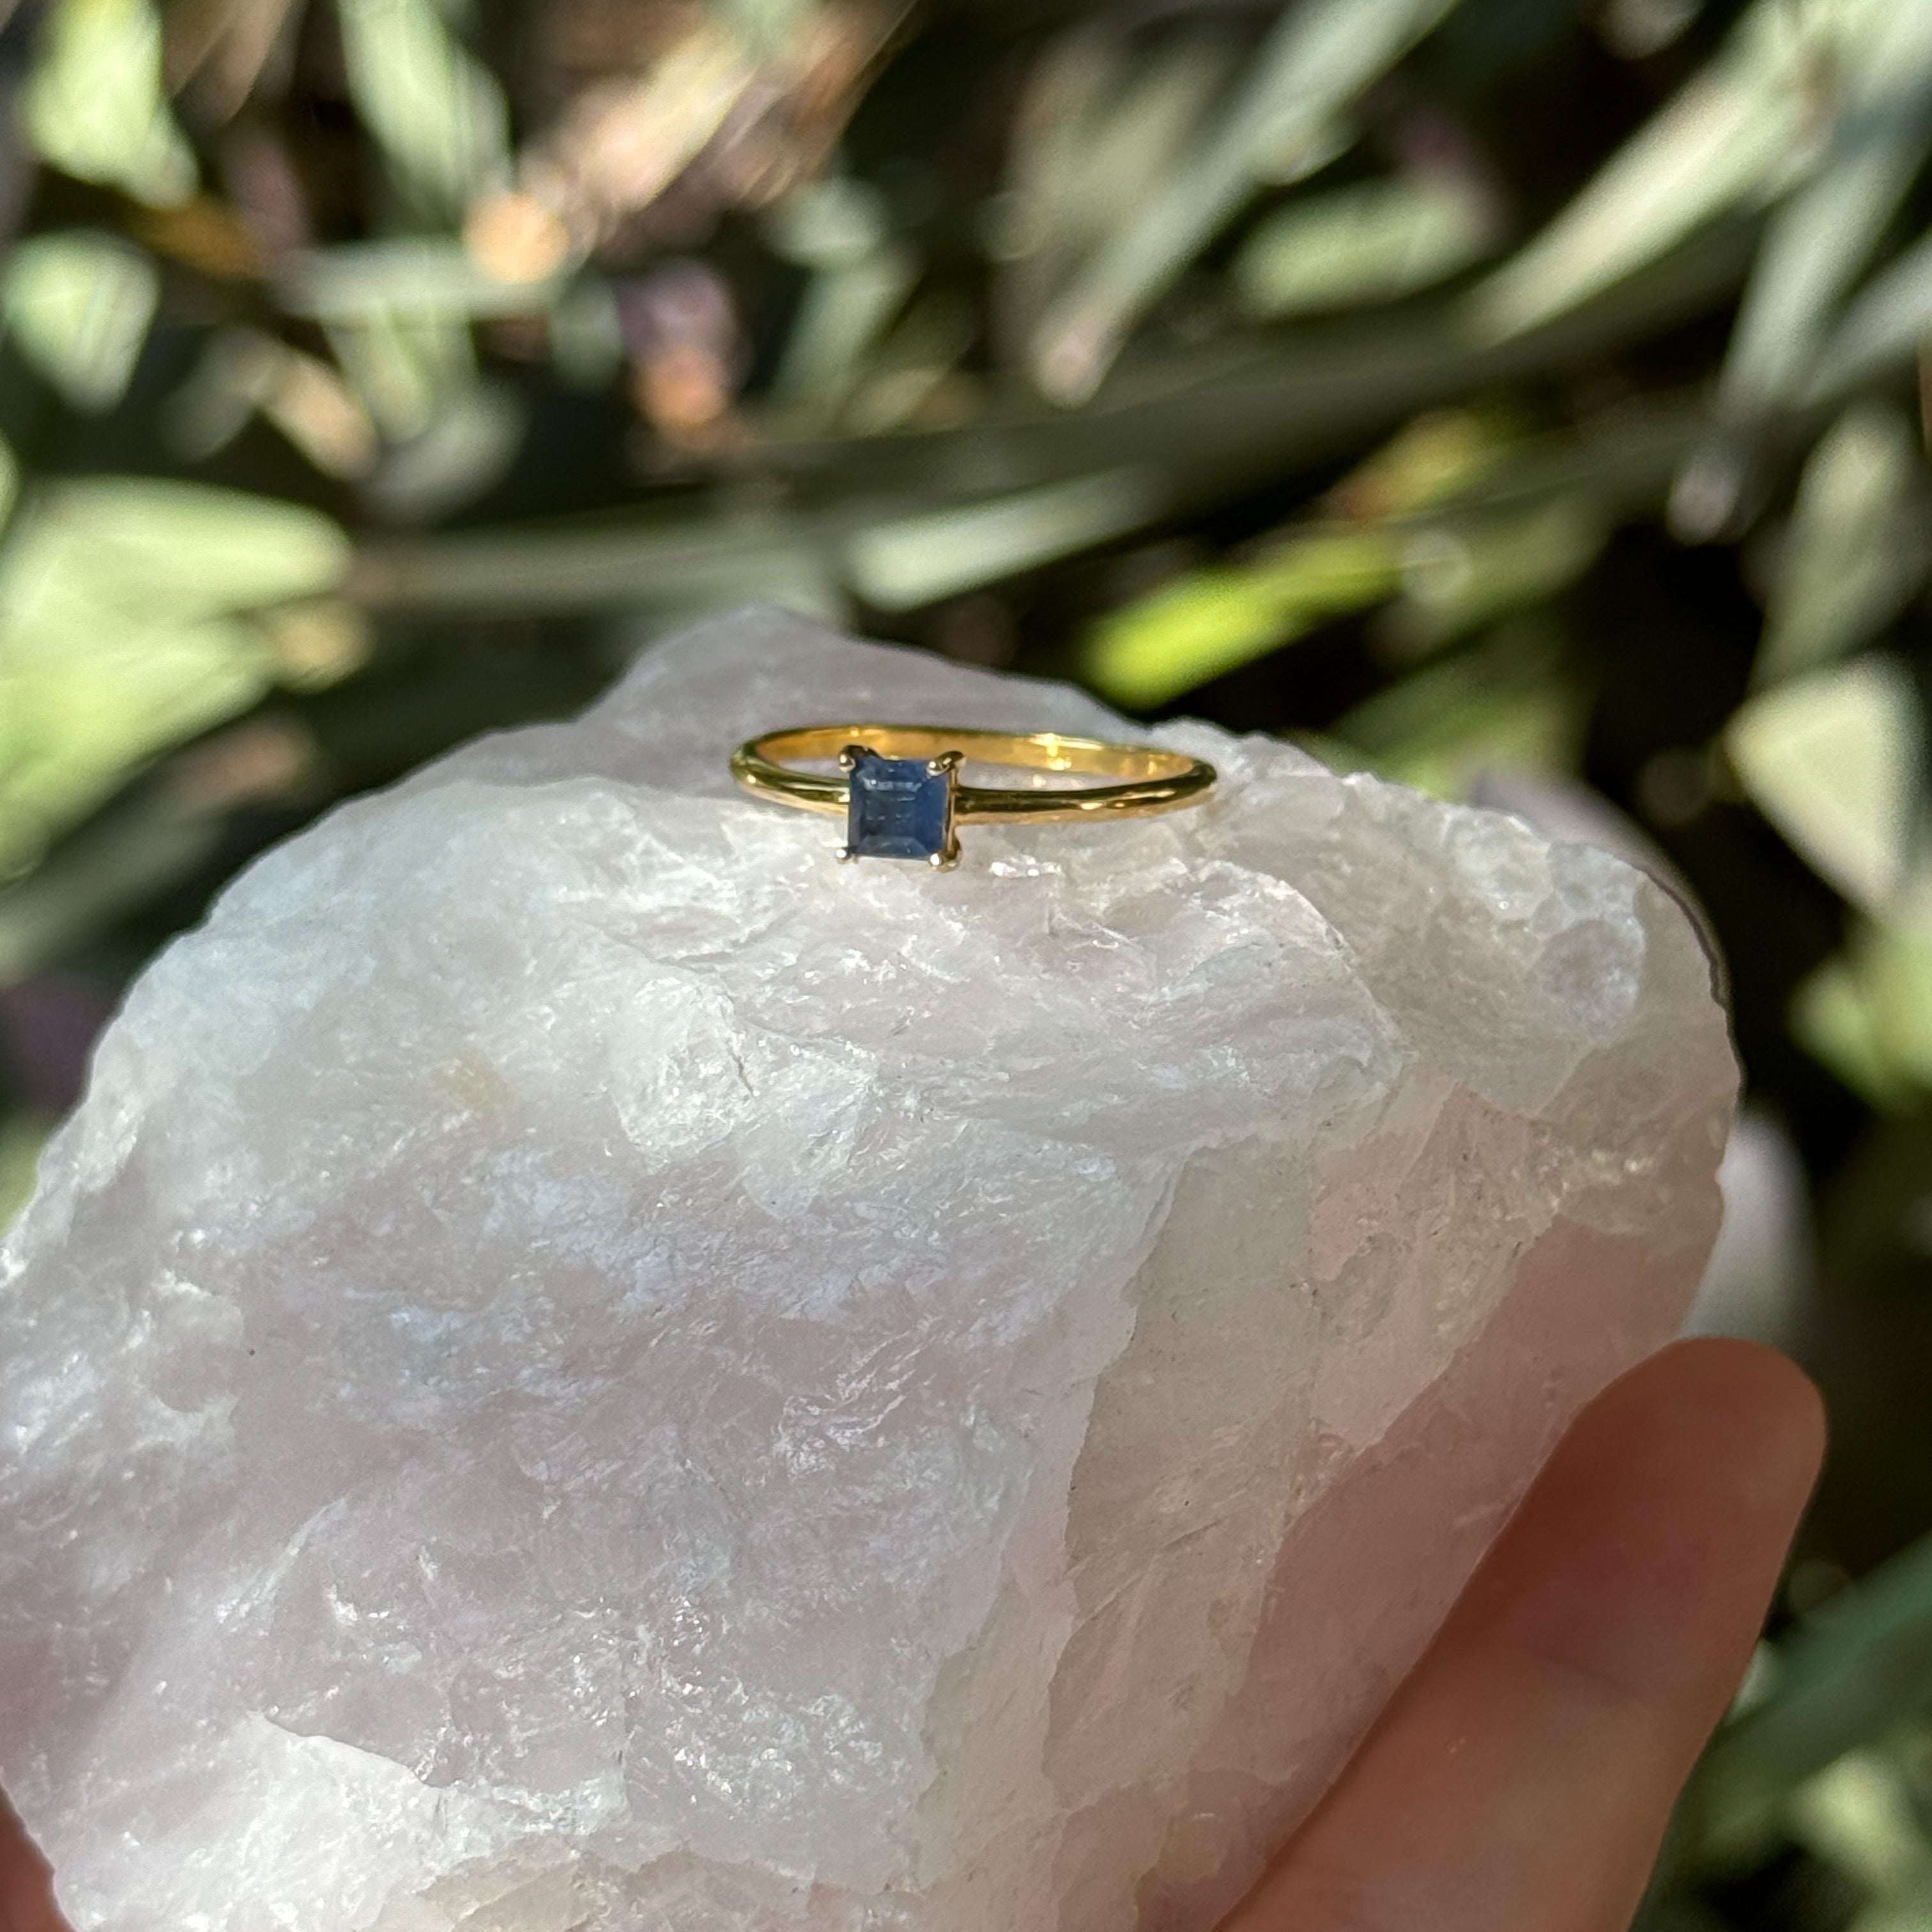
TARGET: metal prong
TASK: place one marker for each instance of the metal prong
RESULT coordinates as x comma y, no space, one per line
846,855
946,761
850,755
944,862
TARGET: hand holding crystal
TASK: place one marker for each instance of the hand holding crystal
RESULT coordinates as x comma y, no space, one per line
1520,1781
595,1355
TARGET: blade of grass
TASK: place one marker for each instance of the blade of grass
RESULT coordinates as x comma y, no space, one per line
1888,322
1817,242
1865,1664
1744,120
1319,57
1856,549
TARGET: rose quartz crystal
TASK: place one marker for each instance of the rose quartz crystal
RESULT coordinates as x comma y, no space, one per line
583,1367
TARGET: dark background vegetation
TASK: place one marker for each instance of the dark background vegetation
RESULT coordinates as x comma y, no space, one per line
1525,398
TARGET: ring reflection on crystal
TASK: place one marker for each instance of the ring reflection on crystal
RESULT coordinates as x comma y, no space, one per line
899,789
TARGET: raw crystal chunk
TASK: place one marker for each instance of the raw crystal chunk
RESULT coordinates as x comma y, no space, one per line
585,1365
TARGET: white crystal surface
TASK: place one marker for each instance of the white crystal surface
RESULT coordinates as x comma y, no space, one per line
584,1366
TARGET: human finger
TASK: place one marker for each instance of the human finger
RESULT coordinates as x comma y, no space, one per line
1521,1781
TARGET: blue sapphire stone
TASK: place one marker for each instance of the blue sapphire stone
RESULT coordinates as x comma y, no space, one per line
896,808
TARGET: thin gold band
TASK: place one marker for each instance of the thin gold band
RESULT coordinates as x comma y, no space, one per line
1154,780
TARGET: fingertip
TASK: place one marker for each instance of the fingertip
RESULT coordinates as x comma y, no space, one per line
1763,1410
1647,1548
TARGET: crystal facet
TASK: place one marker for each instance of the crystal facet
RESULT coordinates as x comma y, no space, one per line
897,808
580,1369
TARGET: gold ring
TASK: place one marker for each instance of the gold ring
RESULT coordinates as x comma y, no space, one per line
900,792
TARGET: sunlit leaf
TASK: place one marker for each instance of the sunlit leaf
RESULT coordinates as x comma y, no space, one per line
1816,244
1866,1011
616,147
407,368
901,563
307,400
1821,237
1318,59
830,222
1833,760
1098,132
124,626
93,105
1736,130
415,274
1857,1813
435,110
1209,622
1401,533
23,1135
1372,242
1858,544
764,25
1838,1016
79,305
1435,457
1888,322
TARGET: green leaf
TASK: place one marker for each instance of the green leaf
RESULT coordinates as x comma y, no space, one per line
408,368
1321,55
79,305
1866,1011
1863,1665
435,110
93,105
1857,546
847,307
1374,241
21,1137
1857,1814
1833,760
1097,136
124,627
899,563
767,27
1209,622
1461,573
1888,323
1824,234
1734,132
1817,242
1504,705
423,275
1864,1014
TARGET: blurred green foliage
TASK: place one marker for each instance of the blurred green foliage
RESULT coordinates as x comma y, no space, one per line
1525,398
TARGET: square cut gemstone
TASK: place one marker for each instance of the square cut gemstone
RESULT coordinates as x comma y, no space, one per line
896,808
